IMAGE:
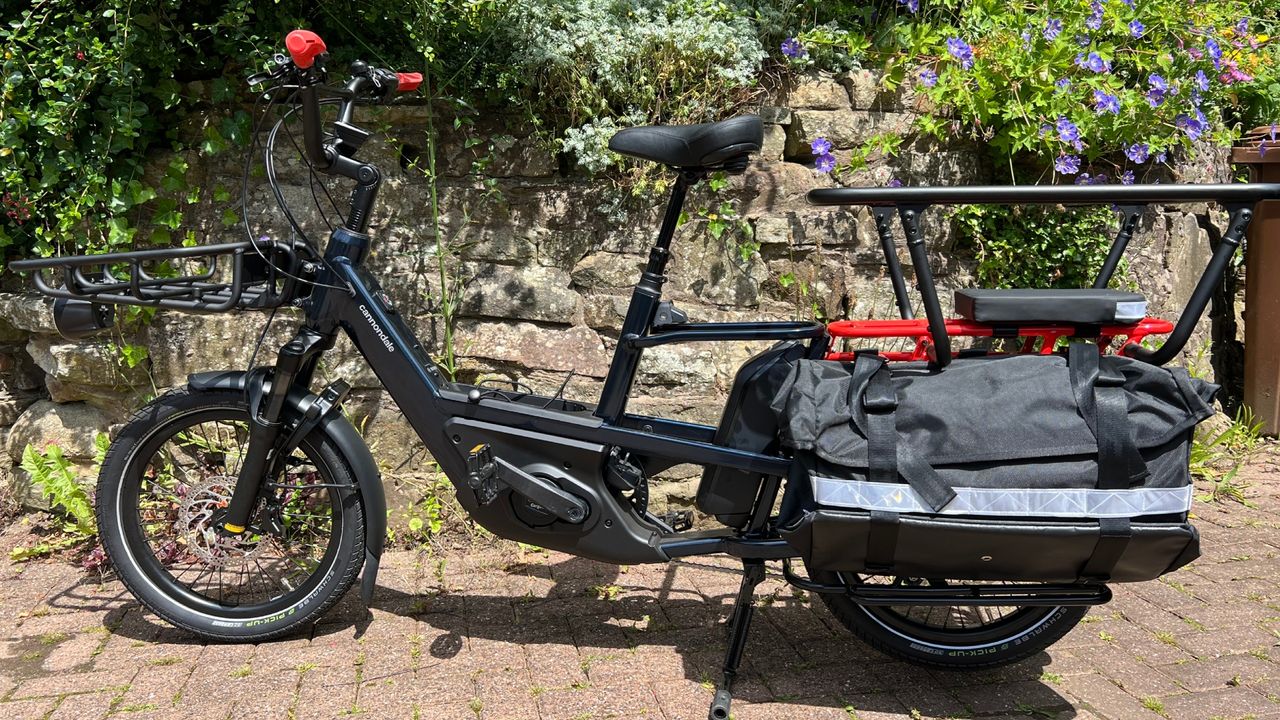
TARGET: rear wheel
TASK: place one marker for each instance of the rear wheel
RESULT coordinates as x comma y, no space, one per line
163,486
955,637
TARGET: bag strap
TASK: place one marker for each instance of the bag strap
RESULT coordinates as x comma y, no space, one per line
875,419
1099,393
1113,538
882,541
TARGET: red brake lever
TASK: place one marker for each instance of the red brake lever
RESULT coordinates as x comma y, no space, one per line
304,46
408,81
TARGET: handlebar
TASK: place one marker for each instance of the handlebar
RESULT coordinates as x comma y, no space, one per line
303,70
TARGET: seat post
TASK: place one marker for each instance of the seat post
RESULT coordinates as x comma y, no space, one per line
644,303
661,250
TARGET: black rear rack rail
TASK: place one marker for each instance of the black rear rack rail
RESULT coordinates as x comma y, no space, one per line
205,278
1238,199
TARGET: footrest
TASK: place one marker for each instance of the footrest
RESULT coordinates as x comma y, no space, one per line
678,520
1083,306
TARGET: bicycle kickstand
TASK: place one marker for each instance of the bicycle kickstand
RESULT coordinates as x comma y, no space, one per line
739,626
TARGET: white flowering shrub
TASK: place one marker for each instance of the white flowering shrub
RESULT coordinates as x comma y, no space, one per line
590,145
664,60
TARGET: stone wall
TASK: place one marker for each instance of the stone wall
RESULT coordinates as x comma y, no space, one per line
549,257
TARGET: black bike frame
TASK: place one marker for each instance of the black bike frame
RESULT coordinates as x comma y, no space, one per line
452,418
455,420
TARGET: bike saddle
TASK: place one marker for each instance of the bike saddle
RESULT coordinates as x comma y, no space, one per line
727,143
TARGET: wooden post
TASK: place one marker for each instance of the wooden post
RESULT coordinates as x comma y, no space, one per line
1262,286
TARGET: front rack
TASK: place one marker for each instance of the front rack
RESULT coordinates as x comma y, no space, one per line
256,275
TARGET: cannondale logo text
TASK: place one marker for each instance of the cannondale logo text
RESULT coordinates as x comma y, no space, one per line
386,341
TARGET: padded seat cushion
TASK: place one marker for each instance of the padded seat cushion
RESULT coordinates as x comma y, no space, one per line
692,146
1084,306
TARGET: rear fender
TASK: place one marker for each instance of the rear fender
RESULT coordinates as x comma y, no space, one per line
354,451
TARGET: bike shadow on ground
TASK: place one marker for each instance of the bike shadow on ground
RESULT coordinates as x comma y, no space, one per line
620,624
621,621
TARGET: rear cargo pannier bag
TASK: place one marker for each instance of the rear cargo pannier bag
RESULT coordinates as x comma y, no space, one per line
1024,467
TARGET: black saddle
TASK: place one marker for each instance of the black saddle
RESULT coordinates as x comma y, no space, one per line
725,144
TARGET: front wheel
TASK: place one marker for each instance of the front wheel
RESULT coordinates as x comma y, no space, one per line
163,485
951,637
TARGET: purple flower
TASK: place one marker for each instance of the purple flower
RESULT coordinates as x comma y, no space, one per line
1083,179
1052,29
1163,156
1105,103
1202,81
1026,39
1155,97
1242,27
1063,83
1215,51
1095,18
961,51
1127,2
1067,130
894,182
1127,178
1067,164
912,5
792,48
1138,152
1045,129
1100,179
1083,41
928,78
1193,126
1137,29
820,146
1158,82
1094,62
825,163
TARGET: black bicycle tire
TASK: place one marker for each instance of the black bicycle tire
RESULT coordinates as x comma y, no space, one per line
861,620
143,426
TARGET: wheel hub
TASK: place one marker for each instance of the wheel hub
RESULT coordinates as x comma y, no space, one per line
198,511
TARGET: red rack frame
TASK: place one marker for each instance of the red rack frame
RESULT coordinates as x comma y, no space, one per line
1049,334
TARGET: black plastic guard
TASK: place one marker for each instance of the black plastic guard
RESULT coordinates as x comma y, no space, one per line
354,451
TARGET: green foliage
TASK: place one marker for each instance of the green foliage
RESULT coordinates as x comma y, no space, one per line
51,472
1218,454
1036,246
1007,73
86,91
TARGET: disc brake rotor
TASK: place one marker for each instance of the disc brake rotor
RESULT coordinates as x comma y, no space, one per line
197,511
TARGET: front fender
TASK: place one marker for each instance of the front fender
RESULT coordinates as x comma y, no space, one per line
354,451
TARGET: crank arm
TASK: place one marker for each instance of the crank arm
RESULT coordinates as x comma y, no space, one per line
563,505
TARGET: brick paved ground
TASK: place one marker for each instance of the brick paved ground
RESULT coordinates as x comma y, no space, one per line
496,634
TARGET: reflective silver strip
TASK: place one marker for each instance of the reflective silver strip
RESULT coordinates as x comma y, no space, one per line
1022,502
1131,311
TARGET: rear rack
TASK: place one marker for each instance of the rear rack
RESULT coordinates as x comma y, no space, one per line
257,275
1238,199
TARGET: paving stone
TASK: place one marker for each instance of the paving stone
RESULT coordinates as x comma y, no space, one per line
1028,694
1135,678
85,706
1234,702
26,709
514,640
64,683
1216,673
1231,641
1104,698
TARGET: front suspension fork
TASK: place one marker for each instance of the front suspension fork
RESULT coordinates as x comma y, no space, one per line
267,389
